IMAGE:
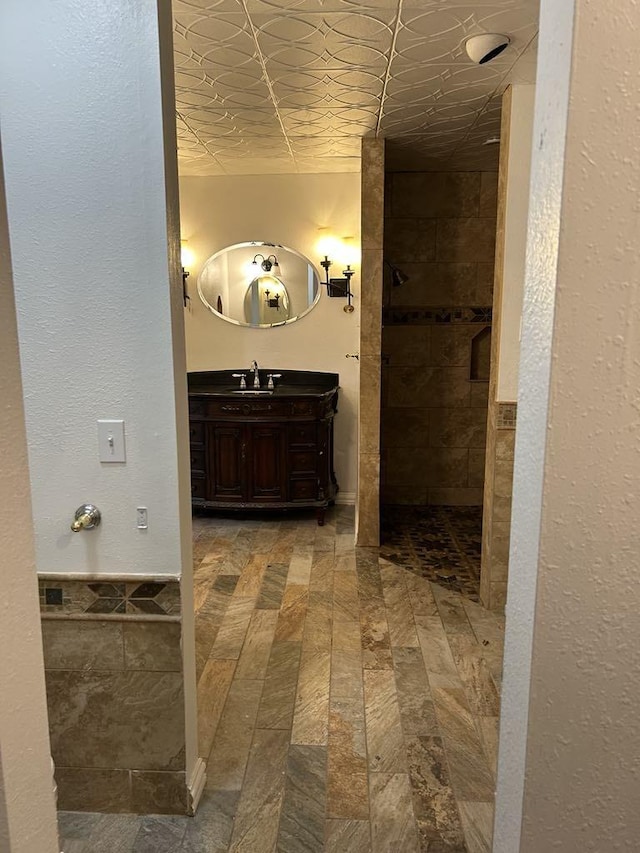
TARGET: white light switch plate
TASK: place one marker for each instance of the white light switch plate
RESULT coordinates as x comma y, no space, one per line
111,441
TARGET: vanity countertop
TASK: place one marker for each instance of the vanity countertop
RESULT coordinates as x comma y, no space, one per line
292,383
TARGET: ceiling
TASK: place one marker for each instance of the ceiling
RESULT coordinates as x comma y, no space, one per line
286,86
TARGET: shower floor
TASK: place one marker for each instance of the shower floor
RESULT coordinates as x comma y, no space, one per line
440,543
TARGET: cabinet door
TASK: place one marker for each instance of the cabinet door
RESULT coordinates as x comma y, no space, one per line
267,480
226,456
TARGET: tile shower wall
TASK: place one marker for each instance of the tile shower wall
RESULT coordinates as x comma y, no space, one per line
113,669
440,230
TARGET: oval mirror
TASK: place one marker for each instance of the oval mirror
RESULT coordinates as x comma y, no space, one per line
259,285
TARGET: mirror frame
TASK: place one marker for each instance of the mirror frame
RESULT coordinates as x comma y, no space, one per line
261,245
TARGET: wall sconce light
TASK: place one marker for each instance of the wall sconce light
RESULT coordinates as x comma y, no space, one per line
272,301
397,276
186,259
185,295
267,263
339,286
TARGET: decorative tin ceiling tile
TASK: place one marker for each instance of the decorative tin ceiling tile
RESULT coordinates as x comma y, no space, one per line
327,165
331,122
305,80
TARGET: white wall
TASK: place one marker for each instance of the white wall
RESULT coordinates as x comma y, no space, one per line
516,212
27,809
85,167
570,730
286,209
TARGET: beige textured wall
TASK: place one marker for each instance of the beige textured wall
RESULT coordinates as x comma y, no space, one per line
570,726
440,230
581,790
27,809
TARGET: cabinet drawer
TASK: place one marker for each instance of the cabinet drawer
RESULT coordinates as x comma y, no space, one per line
197,461
196,432
243,407
303,490
302,435
198,487
302,461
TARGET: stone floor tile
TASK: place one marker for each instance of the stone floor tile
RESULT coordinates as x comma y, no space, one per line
256,823
434,802
230,750
112,833
250,580
273,583
302,818
471,777
477,823
76,825
256,650
321,578
489,731
348,836
212,693
346,605
317,626
279,692
436,651
475,674
347,784
402,629
451,610
160,835
300,566
385,744
292,613
209,831
414,696
393,825
233,629
311,712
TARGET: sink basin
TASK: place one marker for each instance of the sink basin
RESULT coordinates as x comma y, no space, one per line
253,392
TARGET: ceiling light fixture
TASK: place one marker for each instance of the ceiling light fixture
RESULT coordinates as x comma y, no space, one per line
485,47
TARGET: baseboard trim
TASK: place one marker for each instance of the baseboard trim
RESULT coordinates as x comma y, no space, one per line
346,498
196,785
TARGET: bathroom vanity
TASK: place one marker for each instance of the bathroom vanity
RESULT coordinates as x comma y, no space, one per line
266,449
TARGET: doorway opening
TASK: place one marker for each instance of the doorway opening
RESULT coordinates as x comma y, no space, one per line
440,231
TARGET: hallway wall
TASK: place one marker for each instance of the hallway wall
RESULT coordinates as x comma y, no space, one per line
95,246
27,806
440,230
570,729
296,211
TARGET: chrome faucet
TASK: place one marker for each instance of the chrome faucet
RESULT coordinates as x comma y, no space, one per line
256,374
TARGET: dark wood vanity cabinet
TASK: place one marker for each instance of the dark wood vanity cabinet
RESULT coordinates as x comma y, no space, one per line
262,452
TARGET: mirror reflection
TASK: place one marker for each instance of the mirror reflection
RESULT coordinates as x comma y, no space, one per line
259,284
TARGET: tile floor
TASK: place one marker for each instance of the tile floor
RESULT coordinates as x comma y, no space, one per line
346,703
441,543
